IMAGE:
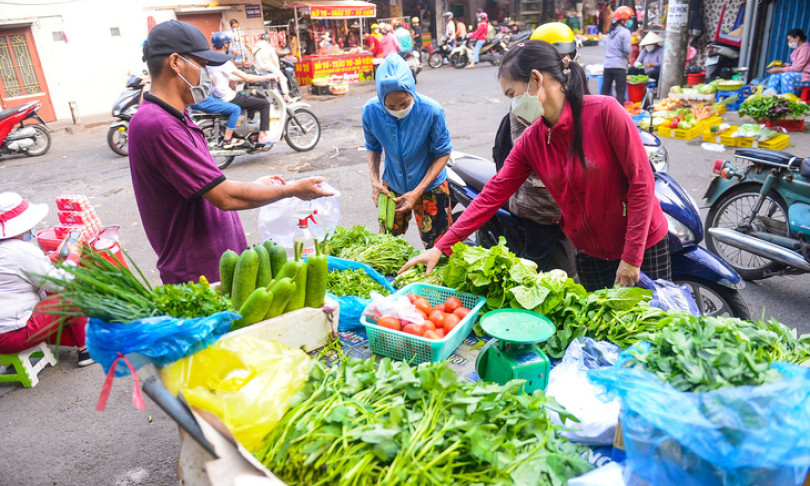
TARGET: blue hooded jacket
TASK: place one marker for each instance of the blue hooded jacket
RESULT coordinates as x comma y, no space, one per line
411,144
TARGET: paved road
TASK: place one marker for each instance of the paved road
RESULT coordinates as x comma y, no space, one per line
52,434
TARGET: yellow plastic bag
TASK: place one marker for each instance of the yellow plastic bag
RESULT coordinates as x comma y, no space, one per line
246,382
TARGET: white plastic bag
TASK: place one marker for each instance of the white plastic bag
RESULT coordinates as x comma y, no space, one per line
277,221
398,306
568,383
609,475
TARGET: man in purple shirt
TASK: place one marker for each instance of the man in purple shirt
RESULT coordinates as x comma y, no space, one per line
187,205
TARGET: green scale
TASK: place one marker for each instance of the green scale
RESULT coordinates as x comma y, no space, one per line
514,353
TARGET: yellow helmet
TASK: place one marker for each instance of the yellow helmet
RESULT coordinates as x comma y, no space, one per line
374,26
558,35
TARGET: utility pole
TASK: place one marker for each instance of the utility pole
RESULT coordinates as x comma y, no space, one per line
675,42
549,12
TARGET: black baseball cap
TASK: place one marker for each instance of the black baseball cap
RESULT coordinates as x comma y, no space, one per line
183,38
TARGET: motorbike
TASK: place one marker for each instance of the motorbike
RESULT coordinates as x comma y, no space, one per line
721,60
28,139
288,68
298,125
413,59
124,109
491,51
759,213
441,54
713,283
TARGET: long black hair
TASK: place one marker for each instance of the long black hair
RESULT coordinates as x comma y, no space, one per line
518,63
798,33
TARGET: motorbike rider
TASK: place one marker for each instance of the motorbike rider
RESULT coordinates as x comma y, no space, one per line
450,29
480,37
412,131
216,105
617,54
266,60
404,38
223,74
187,206
416,33
603,183
389,42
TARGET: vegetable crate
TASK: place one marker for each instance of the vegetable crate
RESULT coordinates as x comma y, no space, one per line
687,134
789,125
407,347
724,137
776,143
711,121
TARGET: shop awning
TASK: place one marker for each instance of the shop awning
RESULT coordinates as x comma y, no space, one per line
336,9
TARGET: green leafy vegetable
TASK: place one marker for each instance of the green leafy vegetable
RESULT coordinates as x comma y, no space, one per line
416,274
353,282
189,300
773,108
384,253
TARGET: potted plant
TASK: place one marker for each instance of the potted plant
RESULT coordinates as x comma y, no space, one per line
776,111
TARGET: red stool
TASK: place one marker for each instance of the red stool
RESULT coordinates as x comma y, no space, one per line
804,94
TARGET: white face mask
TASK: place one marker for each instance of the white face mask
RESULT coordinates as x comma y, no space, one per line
650,48
527,106
200,92
401,113
793,45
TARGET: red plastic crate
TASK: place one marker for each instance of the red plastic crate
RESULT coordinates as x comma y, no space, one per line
789,125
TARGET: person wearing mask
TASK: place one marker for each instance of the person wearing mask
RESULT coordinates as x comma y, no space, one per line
404,38
373,43
266,61
376,30
389,42
187,206
617,54
416,33
479,37
783,79
25,309
602,183
450,28
461,31
222,75
411,130
651,56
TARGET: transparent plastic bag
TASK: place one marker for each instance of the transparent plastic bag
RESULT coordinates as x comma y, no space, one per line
568,384
246,382
159,340
731,436
351,307
669,296
398,306
277,221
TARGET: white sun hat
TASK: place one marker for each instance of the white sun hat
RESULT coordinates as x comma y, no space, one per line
650,39
17,215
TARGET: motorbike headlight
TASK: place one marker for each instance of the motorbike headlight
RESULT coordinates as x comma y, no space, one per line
659,157
680,230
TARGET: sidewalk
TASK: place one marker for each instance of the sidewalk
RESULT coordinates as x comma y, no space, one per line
66,125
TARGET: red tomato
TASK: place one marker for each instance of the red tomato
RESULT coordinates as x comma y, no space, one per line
429,325
417,329
450,321
451,304
437,317
432,335
390,323
440,307
412,297
422,304
461,312
440,332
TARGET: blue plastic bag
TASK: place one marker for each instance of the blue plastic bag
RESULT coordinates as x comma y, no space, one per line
669,296
732,436
160,340
351,307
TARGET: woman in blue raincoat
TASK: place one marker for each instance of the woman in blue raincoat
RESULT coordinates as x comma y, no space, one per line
410,128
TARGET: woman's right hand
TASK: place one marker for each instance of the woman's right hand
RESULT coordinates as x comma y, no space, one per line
429,258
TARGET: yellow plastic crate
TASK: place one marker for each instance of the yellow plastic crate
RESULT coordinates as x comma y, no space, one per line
724,137
711,121
776,143
665,131
719,110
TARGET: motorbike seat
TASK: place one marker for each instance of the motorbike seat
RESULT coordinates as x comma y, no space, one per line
764,156
474,171
7,113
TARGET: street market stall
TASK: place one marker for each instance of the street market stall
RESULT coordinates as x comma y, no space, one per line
339,50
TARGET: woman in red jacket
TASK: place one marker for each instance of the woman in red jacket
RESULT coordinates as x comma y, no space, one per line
479,36
603,183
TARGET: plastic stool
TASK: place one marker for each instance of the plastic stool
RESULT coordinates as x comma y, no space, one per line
802,90
742,93
590,30
26,372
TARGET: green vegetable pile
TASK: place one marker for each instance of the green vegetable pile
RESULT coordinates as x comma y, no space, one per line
706,353
369,423
384,253
773,108
353,282
637,79
416,274
189,300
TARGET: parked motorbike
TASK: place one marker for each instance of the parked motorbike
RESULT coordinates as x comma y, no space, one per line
441,54
714,284
721,60
29,139
124,109
298,125
492,51
759,213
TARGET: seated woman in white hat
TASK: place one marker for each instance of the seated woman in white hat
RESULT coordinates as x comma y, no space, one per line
23,294
651,56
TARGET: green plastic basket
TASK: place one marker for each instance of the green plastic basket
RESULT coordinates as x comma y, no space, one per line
409,347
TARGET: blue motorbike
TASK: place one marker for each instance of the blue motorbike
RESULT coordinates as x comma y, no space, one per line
713,283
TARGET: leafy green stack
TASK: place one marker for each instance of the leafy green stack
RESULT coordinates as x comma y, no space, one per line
369,423
383,252
353,282
416,274
706,353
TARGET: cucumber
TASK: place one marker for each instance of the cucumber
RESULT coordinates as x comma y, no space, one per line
244,277
282,292
300,280
254,309
278,257
317,268
389,218
265,273
227,265
382,208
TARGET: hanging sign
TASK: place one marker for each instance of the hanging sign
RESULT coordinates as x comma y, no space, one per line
336,12
677,16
